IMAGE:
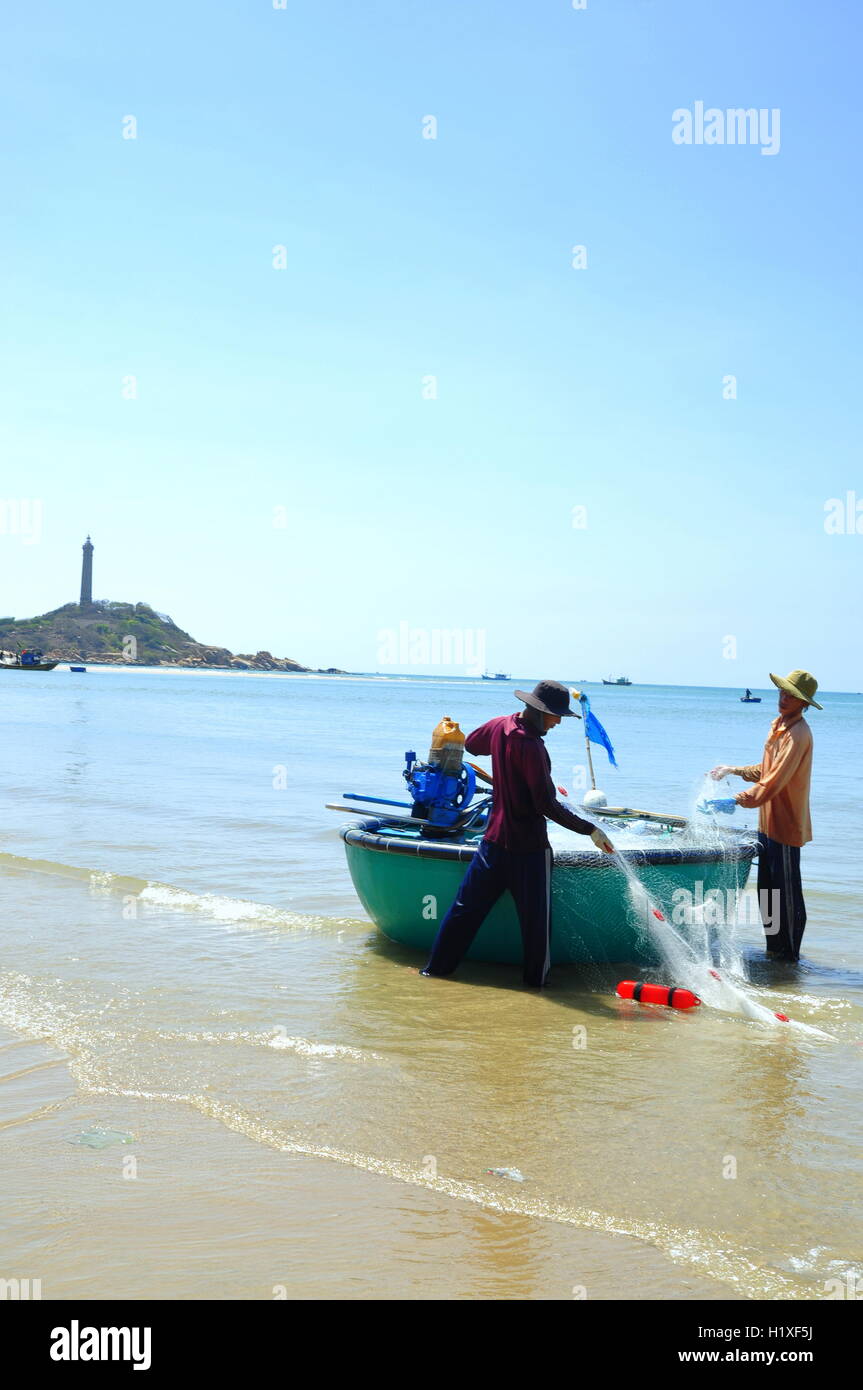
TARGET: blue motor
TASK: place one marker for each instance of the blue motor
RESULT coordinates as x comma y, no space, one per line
439,794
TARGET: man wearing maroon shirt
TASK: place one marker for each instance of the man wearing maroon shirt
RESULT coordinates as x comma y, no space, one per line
515,853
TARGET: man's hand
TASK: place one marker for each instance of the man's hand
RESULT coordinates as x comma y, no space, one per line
717,773
601,840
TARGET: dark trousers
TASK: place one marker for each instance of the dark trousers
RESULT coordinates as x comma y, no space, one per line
527,875
780,897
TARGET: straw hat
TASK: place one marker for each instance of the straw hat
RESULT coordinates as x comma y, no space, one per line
800,684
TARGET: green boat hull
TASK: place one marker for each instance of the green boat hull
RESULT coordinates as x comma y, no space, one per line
406,886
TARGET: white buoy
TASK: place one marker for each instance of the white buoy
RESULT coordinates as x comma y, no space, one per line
594,799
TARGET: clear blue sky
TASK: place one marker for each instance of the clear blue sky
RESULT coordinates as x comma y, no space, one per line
406,257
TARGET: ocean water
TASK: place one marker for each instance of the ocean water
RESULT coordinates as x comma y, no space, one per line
185,961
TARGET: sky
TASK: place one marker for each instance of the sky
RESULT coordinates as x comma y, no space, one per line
295,330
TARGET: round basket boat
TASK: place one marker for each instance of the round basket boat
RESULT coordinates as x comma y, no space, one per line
406,885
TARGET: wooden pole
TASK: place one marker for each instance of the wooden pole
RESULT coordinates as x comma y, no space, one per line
589,761
577,695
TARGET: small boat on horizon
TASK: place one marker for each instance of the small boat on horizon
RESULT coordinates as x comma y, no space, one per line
498,676
27,660
617,680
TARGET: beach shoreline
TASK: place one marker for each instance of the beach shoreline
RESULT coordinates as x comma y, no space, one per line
186,961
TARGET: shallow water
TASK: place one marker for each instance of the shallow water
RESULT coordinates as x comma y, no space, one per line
185,961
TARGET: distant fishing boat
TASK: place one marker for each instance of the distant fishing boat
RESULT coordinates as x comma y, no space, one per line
28,660
498,676
750,699
617,680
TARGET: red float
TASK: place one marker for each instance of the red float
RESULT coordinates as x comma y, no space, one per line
669,995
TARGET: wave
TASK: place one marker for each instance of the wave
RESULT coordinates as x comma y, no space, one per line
219,907
277,1039
30,1007
25,1007
713,1254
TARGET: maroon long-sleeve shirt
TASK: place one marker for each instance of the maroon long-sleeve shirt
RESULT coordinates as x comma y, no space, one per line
524,795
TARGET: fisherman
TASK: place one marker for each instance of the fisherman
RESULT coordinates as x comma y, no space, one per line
515,852
782,795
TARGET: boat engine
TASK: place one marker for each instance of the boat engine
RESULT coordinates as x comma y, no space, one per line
441,788
440,792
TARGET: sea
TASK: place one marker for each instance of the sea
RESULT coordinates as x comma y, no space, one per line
218,1080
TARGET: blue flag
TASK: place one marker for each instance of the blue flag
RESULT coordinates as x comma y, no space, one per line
595,731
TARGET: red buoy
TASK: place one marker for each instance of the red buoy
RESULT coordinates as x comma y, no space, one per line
669,995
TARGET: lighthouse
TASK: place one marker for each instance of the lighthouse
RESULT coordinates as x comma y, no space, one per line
87,574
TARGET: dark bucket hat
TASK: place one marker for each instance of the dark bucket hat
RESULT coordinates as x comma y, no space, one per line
549,697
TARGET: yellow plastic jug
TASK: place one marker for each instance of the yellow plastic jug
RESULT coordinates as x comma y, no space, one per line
447,745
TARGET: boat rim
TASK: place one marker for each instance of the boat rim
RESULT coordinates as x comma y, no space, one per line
369,832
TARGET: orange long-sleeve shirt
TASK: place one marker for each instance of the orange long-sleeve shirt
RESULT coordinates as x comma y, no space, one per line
782,779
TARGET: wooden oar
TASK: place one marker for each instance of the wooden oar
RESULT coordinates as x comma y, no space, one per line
378,815
481,773
464,819
637,815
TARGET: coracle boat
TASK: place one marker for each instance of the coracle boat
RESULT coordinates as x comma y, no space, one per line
407,868
406,883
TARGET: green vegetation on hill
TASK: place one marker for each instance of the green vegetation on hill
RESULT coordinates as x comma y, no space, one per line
132,633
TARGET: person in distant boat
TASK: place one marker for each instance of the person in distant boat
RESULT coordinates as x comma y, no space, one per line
514,853
781,793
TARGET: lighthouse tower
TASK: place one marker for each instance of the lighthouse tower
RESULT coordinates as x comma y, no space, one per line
87,575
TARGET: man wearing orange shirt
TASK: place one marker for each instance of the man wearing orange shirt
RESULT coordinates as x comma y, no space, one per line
781,793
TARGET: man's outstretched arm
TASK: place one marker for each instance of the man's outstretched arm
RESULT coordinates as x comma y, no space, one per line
749,774
543,795
779,775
